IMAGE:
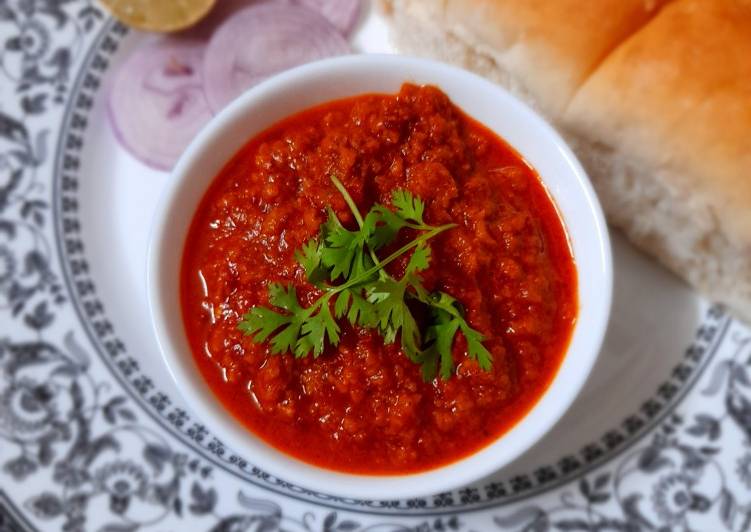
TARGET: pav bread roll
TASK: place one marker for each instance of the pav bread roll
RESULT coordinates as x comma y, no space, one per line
655,99
664,129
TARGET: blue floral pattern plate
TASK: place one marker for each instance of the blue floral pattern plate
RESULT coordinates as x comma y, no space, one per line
94,437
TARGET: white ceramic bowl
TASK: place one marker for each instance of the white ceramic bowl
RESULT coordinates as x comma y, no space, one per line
315,83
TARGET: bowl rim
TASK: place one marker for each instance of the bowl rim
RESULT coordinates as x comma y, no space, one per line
362,486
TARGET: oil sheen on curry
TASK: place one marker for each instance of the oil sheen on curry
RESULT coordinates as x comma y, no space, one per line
362,406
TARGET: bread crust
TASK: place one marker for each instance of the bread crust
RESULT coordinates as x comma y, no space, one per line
676,97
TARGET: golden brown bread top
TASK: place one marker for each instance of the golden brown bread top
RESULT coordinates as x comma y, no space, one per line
549,45
677,97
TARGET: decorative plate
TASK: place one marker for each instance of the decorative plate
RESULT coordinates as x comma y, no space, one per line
93,435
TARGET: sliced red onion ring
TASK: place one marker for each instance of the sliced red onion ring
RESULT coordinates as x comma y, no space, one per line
157,103
262,40
343,14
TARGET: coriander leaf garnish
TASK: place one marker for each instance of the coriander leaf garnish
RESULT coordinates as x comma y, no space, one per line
447,319
302,329
345,252
368,296
309,257
408,207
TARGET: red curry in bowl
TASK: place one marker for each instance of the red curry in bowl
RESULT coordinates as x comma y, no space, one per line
363,406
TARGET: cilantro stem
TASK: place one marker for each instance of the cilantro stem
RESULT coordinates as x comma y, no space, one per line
356,212
430,232
333,290
358,217
435,231
420,227
348,199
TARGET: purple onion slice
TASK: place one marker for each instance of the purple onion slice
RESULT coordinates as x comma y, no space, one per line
157,103
260,41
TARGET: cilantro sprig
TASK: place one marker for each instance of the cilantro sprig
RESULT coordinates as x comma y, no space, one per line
366,294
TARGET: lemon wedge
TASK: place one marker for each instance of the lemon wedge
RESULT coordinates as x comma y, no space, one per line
159,15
